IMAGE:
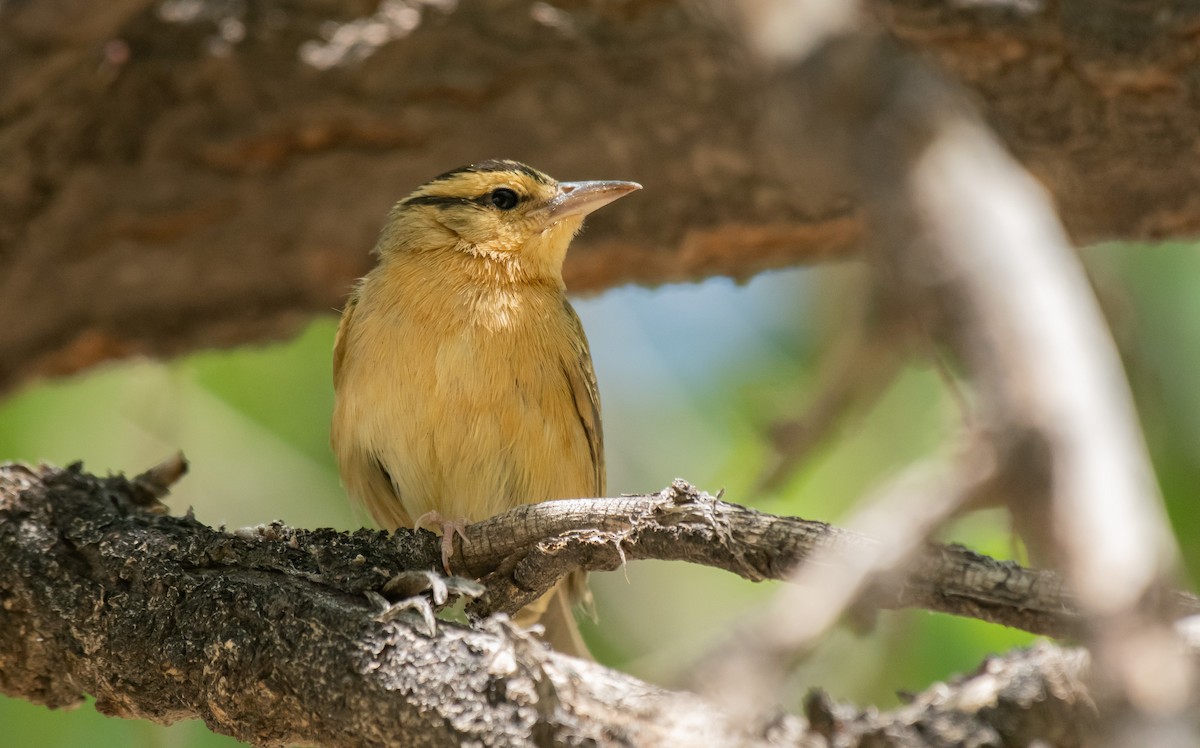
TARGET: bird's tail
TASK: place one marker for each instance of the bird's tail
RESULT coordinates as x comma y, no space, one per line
562,632
555,611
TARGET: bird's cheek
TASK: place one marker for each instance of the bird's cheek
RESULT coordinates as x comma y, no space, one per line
470,228
560,232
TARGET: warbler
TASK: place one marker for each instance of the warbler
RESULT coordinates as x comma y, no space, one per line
463,380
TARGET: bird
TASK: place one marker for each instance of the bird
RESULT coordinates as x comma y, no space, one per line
463,381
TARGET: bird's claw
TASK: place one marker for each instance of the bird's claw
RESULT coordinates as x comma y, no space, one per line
411,583
389,611
433,520
422,592
463,587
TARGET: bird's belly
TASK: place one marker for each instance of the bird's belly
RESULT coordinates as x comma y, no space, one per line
476,430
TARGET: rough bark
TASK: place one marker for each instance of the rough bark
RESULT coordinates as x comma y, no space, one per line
267,636
523,552
173,183
161,618
1040,687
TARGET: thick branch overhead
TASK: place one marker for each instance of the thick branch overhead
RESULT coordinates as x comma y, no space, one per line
197,174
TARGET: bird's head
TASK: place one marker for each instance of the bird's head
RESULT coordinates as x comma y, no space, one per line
498,210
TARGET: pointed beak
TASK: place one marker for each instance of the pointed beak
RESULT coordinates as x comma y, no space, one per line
581,198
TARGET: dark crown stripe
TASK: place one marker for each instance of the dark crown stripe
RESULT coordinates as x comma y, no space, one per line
495,165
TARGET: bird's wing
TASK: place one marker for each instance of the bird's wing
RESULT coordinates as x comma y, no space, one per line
379,495
582,379
363,473
343,333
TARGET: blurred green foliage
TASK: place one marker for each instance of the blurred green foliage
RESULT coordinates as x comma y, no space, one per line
691,376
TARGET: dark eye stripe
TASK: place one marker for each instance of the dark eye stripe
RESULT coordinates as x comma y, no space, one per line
442,201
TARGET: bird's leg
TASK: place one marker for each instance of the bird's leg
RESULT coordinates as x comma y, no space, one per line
433,520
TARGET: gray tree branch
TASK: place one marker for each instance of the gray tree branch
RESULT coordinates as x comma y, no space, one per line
520,554
269,635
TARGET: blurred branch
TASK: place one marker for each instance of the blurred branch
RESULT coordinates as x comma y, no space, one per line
971,246
1073,465
267,634
185,175
1043,689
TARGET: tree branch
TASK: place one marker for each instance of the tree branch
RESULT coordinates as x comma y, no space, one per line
267,636
1041,689
522,552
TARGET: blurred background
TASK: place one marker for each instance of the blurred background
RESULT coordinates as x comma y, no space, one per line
691,378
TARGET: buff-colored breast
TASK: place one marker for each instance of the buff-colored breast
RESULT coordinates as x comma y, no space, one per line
463,398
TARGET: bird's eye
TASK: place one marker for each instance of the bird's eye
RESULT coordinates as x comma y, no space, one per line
504,198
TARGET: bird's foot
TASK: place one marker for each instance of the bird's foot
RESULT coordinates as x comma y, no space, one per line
433,520
421,592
